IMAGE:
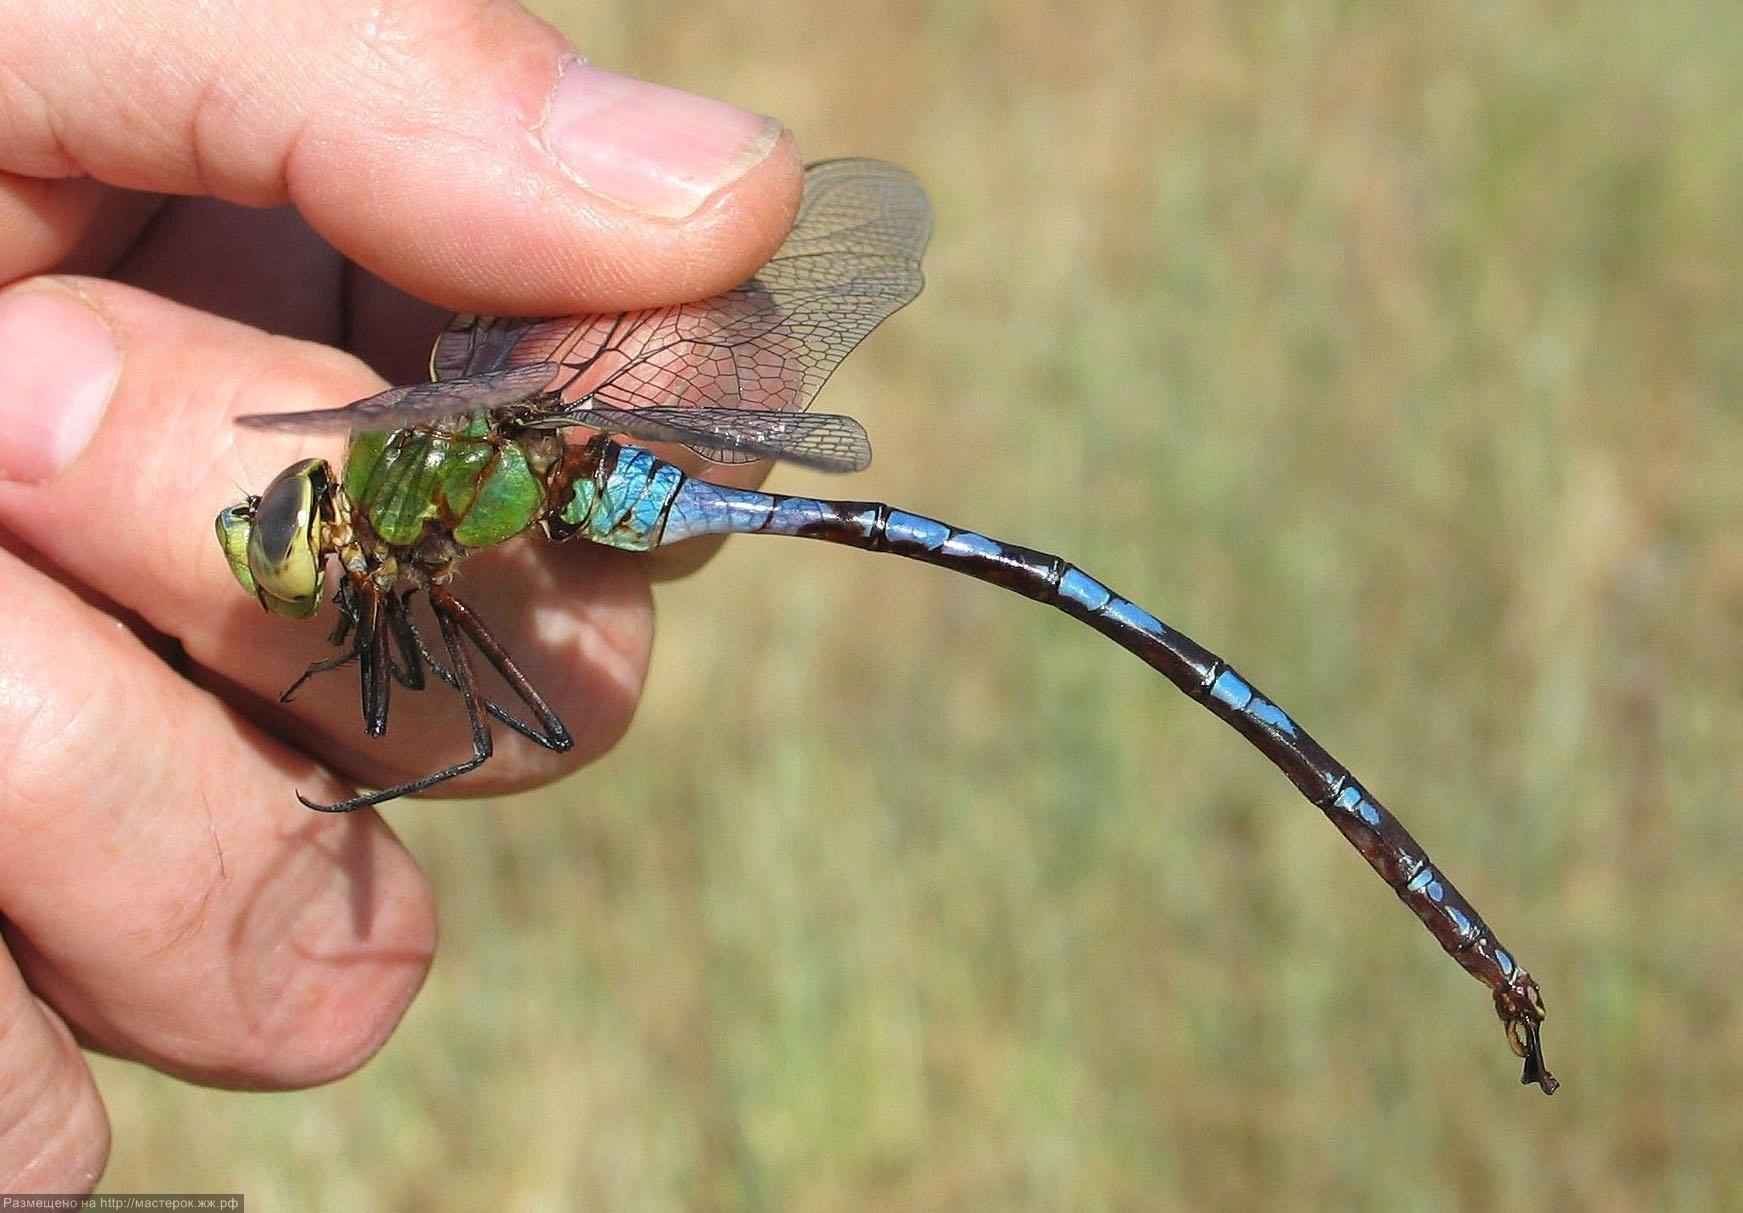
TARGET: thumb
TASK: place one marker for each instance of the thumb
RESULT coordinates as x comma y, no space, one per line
461,150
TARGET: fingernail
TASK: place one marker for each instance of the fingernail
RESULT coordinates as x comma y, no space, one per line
656,150
58,367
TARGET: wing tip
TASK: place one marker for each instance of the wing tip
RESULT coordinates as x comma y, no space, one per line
260,421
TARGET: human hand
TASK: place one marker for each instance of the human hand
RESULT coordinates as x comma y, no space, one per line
164,897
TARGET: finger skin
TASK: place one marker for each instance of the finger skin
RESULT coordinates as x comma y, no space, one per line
132,519
277,274
54,1134
42,221
433,141
158,889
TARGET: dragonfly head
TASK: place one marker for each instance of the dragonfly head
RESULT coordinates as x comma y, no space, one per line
276,543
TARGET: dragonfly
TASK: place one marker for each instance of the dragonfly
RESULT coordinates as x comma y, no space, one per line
539,424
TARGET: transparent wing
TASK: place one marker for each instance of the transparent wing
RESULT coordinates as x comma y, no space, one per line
828,442
399,406
768,345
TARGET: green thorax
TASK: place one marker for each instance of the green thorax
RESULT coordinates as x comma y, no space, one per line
470,481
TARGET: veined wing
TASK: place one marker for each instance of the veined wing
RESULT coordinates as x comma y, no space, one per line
399,406
828,442
768,345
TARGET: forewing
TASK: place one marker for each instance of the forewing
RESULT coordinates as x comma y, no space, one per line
852,259
766,346
417,402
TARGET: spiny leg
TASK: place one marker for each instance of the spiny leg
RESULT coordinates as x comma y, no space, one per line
441,671
411,645
345,600
467,685
370,647
375,661
556,733
550,731
317,667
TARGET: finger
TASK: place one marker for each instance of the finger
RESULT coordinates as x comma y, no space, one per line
75,224
42,221
159,892
54,1135
459,149
280,276
122,502
389,329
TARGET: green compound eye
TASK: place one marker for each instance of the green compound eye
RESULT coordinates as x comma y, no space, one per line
273,544
234,525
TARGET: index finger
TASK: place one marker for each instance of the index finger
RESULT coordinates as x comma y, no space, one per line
461,150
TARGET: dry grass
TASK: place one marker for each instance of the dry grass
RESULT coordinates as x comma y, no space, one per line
1392,350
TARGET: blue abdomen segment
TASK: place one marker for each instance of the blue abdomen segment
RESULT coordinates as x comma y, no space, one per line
638,502
622,502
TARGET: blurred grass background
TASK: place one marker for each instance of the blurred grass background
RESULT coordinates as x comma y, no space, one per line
1391,350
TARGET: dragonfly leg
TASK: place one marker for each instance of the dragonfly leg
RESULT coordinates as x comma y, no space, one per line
404,632
552,738
556,734
467,685
375,661
317,667
345,600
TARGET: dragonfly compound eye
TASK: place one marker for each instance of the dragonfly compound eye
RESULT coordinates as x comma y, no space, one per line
234,524
283,555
